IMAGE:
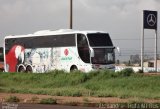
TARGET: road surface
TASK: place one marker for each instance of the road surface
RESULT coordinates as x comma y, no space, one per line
41,106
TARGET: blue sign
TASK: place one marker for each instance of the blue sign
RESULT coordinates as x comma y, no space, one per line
150,19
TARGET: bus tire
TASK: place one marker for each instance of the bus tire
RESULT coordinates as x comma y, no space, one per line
21,68
29,69
73,68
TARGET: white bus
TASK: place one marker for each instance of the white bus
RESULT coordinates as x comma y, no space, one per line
63,49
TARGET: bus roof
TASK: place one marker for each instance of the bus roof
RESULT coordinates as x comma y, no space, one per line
50,32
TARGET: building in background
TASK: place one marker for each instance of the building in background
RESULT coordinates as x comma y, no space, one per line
151,63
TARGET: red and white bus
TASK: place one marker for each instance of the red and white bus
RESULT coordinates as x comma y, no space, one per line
63,49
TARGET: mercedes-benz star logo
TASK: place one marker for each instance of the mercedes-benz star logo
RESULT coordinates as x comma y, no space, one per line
151,19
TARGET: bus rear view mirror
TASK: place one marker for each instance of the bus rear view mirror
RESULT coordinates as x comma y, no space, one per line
92,52
119,51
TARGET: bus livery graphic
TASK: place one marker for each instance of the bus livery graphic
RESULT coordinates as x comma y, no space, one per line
14,57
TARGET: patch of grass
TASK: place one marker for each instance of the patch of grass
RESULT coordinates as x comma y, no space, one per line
48,101
72,103
12,90
12,99
102,83
70,91
126,72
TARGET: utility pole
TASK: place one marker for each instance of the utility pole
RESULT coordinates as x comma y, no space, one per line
71,14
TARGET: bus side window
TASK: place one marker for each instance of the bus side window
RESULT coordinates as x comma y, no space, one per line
83,48
1,54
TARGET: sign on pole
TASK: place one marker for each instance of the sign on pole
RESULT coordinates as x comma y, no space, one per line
150,19
149,22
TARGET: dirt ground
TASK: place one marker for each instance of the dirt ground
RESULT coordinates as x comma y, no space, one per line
34,98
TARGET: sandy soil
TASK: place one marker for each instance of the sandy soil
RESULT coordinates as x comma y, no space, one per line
34,98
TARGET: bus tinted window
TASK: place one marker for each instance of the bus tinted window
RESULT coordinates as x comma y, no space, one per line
42,41
83,48
1,54
99,39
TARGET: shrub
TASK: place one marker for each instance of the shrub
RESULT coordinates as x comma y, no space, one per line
12,99
48,101
126,72
140,71
12,90
92,74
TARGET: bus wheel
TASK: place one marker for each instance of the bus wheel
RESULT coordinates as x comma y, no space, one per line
21,69
29,69
73,68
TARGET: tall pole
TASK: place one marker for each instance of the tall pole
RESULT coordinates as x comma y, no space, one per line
155,55
142,45
142,50
71,14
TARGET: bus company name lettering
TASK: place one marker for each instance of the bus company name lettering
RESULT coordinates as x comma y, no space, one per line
66,58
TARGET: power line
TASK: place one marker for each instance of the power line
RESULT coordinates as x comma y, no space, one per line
148,51
127,55
149,38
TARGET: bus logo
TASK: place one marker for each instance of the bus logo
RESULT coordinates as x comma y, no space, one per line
66,52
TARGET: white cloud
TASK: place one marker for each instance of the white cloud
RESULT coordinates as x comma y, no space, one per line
121,18
149,5
11,10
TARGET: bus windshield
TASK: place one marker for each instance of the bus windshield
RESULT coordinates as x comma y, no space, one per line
103,48
103,56
99,39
